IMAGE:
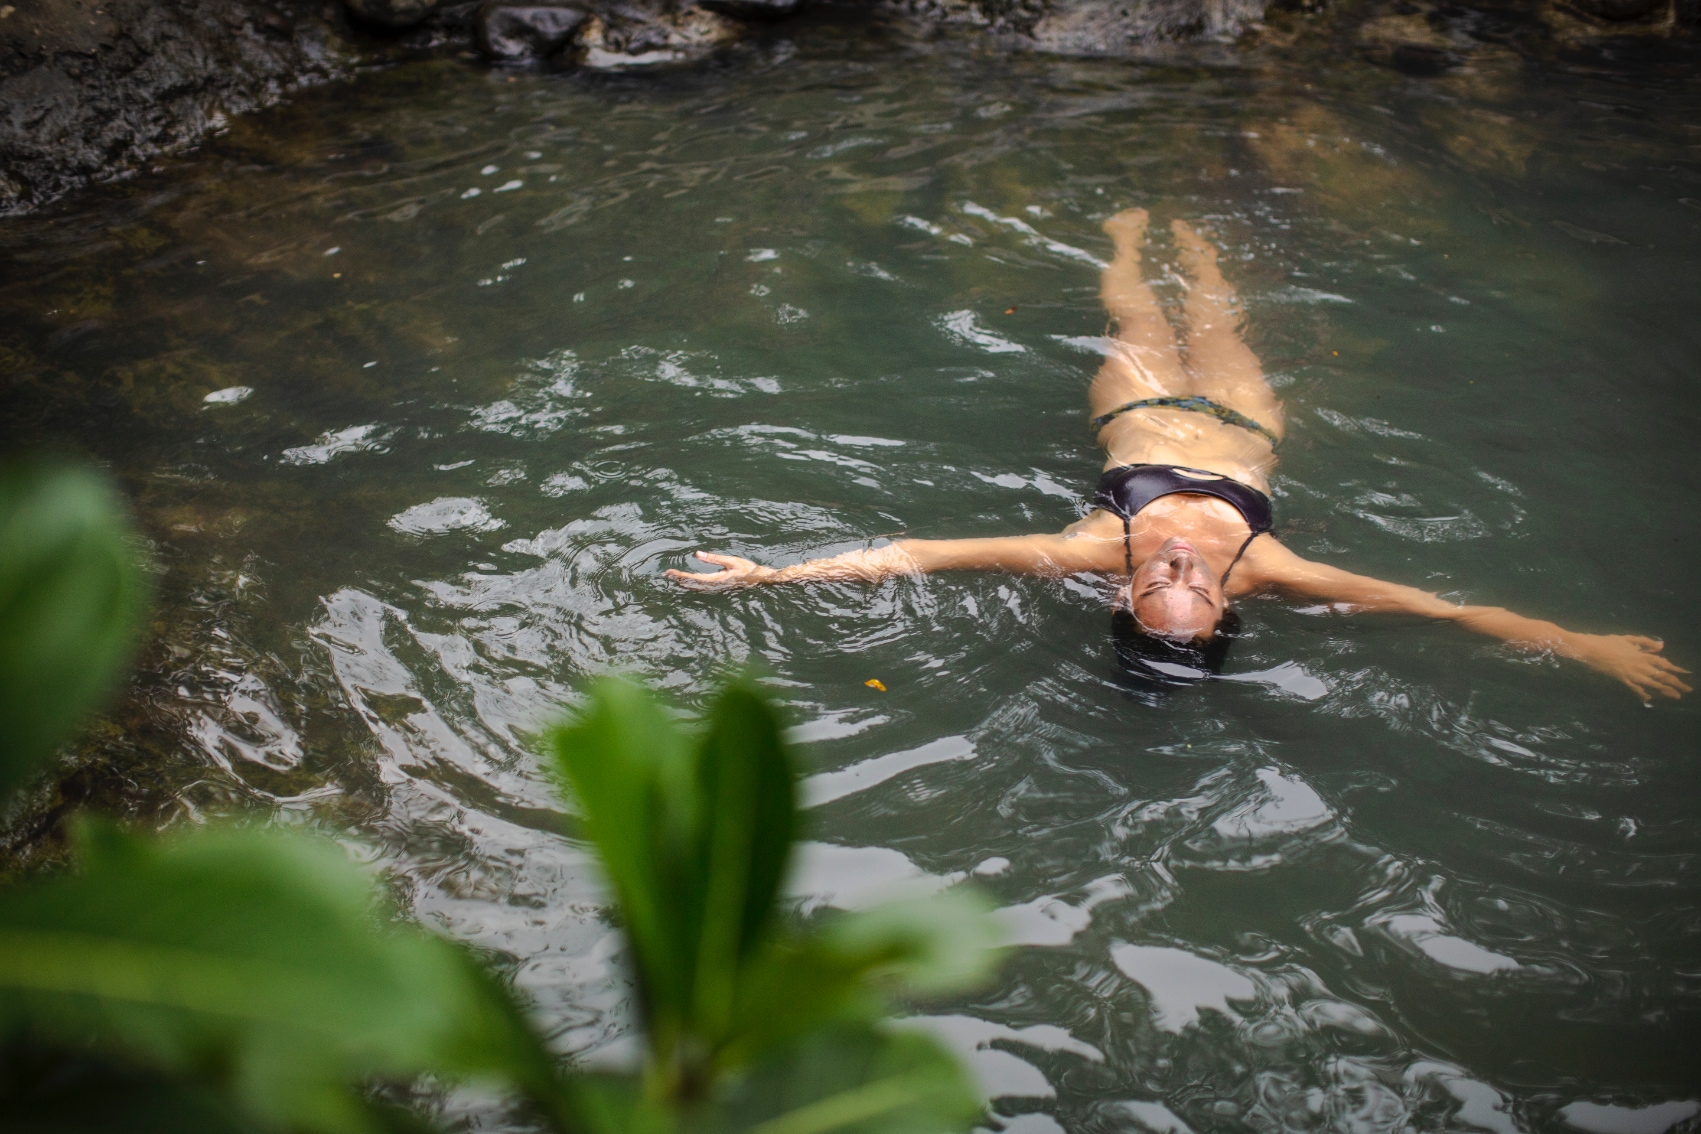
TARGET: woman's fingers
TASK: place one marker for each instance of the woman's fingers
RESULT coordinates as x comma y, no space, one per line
733,571
1661,673
1635,659
1673,682
695,582
1650,679
728,562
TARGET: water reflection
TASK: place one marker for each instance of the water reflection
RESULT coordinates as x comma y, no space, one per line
1378,881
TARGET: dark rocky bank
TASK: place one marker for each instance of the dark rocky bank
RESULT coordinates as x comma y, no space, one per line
95,89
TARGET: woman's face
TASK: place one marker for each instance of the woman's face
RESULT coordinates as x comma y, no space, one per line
1174,594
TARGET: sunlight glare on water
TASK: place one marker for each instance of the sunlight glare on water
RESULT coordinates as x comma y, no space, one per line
420,384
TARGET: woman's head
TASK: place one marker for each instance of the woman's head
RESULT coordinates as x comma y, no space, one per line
1174,595
1154,665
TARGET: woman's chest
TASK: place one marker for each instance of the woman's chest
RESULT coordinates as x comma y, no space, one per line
1211,525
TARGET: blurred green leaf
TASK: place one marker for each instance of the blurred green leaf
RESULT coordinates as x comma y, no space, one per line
943,943
848,1079
749,812
697,843
627,766
792,987
71,600
56,1091
256,961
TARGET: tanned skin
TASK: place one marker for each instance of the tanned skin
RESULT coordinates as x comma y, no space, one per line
1182,543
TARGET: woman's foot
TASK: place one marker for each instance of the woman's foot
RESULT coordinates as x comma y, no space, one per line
1198,256
1127,230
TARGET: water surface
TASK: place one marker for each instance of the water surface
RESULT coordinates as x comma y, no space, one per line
419,384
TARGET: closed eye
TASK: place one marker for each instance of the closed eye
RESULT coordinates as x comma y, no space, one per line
1197,588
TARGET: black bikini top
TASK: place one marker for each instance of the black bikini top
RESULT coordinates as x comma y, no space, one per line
1127,489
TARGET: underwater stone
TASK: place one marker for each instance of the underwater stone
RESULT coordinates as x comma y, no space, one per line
628,36
508,32
1421,60
754,9
1110,27
391,14
1618,10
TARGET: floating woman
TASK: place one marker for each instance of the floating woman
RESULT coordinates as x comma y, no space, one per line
1184,500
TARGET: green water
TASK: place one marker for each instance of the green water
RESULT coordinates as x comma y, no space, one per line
515,344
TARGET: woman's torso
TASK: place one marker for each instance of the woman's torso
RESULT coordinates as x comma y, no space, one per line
1161,436
1213,526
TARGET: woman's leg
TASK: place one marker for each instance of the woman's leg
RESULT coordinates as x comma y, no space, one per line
1220,366
1147,363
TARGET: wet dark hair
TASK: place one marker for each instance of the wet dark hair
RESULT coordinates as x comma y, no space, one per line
1152,663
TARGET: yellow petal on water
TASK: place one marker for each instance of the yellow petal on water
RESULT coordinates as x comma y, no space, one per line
876,683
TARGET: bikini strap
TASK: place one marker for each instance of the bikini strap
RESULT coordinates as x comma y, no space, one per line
1246,543
1128,544
1197,404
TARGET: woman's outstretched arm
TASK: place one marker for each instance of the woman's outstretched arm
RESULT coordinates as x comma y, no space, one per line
1631,658
1028,555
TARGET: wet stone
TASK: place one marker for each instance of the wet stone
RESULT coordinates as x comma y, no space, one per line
1619,10
755,9
1111,27
391,14
88,90
510,32
1420,60
632,37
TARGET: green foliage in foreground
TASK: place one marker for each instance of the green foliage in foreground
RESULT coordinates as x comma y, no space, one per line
71,601
696,840
254,960
229,979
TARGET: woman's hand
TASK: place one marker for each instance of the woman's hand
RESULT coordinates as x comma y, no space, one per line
1634,660
734,572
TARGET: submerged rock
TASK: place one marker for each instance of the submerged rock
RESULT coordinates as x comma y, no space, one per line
1411,45
1099,27
391,15
631,36
508,31
754,10
1619,10
1092,27
602,35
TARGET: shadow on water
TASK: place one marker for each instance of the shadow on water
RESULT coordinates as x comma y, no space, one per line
419,384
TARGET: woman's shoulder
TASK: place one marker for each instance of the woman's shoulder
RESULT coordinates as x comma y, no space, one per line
1096,526
1267,564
